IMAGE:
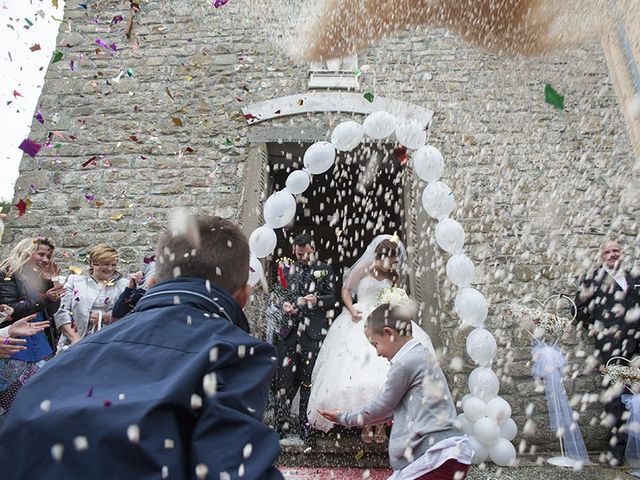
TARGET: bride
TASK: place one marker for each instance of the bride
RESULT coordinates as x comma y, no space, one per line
348,373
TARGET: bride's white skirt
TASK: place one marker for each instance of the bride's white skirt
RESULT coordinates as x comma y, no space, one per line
348,372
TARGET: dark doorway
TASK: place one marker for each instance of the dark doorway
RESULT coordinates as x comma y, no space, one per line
346,207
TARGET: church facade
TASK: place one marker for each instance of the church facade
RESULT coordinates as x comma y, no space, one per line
197,108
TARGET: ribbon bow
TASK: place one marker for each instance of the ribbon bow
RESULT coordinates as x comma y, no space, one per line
548,362
632,452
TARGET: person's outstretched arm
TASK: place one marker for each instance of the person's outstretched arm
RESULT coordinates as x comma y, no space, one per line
229,435
381,408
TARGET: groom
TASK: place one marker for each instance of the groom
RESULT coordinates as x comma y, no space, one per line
307,301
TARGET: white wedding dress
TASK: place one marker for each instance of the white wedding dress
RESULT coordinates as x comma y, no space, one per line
348,372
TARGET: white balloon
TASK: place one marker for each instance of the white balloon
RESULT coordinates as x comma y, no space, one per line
481,346
509,430
319,157
499,409
486,430
460,270
463,424
437,200
379,125
279,209
428,163
471,306
474,408
484,384
297,182
255,271
262,241
411,134
347,136
480,450
502,453
450,235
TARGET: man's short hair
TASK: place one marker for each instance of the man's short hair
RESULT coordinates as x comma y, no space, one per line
302,240
397,317
222,256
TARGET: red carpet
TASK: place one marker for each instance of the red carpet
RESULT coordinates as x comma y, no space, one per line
334,473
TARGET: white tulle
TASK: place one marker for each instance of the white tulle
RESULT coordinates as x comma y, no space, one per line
348,372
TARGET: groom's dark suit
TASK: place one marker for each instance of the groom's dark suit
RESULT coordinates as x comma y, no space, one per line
301,336
610,315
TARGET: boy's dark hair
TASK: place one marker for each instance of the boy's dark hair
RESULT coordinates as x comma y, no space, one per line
222,256
302,240
397,317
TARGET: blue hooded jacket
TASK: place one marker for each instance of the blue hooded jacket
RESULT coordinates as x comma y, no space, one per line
172,388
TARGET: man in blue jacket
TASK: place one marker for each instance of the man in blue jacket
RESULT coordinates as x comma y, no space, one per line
175,390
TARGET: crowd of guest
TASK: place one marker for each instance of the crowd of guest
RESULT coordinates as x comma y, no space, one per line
43,313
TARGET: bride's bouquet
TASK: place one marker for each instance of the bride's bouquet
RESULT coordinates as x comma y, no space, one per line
393,296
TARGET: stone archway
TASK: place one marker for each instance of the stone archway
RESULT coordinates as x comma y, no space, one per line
267,129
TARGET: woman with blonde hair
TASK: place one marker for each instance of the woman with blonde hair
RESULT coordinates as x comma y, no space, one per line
88,304
27,288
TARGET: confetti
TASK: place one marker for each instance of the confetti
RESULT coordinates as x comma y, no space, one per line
35,47
57,451
106,403
102,43
115,20
116,216
357,73
130,72
22,207
30,147
81,443
359,454
552,97
300,102
368,97
45,405
168,92
16,94
90,391
91,161
75,270
176,121
38,116
133,433
57,56
219,3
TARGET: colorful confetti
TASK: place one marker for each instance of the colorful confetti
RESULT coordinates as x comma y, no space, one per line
57,56
552,97
30,147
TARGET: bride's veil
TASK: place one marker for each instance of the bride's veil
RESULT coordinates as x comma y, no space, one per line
360,269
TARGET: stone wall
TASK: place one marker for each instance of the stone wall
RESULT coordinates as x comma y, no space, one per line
538,189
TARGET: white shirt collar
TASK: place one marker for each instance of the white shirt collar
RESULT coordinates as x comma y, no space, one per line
619,276
405,348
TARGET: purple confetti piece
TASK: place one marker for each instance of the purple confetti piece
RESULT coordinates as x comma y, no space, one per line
90,197
39,117
90,392
72,65
113,46
219,3
30,147
116,19
107,403
101,43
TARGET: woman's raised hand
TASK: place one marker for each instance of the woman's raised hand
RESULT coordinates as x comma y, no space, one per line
134,279
25,328
55,293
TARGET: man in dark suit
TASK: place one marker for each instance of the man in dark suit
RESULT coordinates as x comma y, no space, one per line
608,304
307,300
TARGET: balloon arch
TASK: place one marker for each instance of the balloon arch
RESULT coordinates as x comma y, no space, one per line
487,416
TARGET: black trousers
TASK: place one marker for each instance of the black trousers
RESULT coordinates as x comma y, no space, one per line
296,358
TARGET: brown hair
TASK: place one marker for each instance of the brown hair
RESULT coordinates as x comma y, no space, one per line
385,249
102,253
221,255
397,317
